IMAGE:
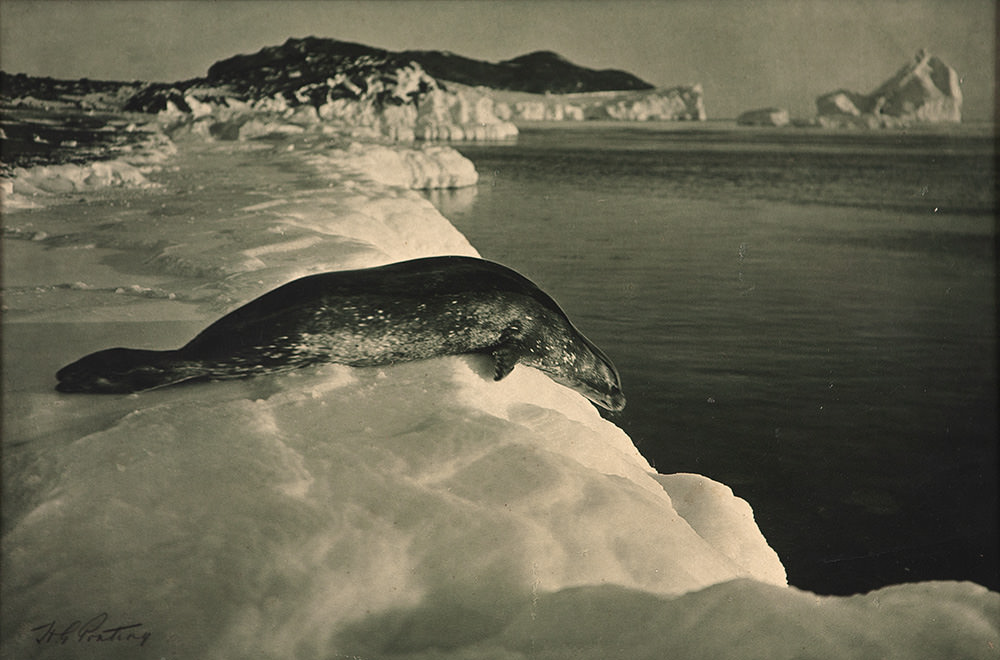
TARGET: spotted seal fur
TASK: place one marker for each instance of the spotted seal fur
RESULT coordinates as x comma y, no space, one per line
410,310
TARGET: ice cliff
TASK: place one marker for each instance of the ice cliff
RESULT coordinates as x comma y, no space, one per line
924,91
402,104
661,104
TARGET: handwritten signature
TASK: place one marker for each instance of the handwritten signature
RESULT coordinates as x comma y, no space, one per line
93,630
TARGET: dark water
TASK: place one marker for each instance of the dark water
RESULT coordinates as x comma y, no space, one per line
808,317
35,136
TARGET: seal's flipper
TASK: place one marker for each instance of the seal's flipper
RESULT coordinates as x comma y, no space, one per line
507,352
505,358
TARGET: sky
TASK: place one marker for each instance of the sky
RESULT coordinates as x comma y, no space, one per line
746,53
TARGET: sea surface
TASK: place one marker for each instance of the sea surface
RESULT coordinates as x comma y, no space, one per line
807,316
38,136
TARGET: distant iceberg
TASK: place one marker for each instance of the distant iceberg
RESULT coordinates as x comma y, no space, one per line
764,117
923,91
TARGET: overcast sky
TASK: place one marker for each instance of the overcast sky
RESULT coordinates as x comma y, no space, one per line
746,53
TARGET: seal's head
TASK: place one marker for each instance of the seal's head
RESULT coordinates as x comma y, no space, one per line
554,346
113,371
593,375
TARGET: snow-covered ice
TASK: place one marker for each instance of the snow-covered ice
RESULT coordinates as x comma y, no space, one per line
414,511
33,187
431,167
54,179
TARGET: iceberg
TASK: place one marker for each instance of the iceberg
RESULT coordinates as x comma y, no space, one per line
923,91
420,510
764,117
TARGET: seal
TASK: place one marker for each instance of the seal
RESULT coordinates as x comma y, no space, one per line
410,310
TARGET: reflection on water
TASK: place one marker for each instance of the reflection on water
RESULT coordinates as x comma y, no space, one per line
459,200
805,316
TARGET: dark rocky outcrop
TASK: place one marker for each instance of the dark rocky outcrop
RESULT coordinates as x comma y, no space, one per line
297,61
538,73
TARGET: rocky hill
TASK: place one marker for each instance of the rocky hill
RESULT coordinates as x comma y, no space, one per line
541,72
313,58
314,70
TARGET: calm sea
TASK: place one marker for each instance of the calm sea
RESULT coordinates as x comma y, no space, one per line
806,316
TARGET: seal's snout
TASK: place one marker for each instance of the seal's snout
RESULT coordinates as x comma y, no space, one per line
613,400
616,400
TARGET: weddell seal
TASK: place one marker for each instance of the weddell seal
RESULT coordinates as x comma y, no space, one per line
404,311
